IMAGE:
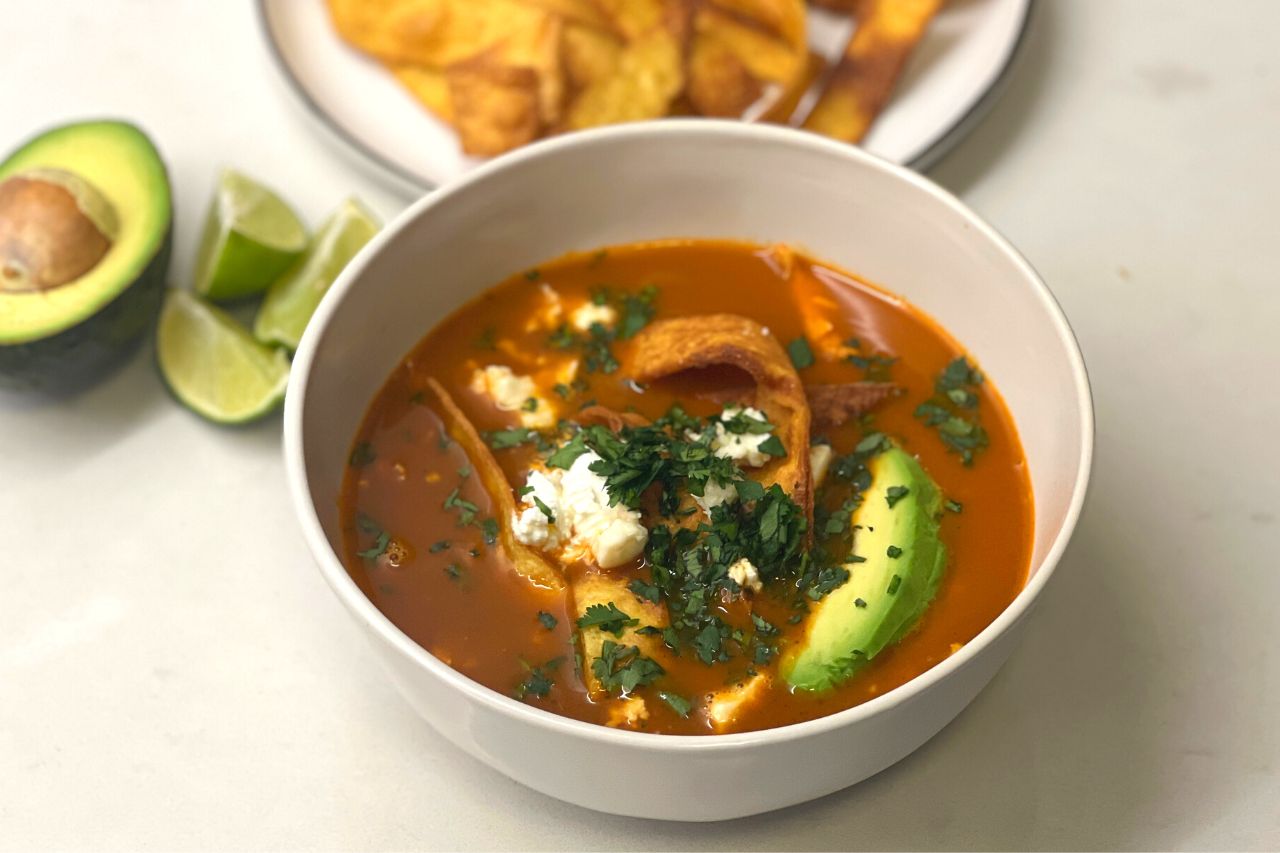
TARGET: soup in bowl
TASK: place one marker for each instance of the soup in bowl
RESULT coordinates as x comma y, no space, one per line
692,449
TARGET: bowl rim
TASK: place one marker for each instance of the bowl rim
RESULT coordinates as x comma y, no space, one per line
655,132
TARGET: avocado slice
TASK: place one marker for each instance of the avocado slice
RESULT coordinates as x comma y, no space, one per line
85,236
884,595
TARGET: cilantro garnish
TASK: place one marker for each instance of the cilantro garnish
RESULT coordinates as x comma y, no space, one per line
954,506
539,681
894,552
645,591
622,669
773,446
502,439
894,583
489,530
466,509
442,545
801,353
529,405
679,704
546,510
858,602
361,455
895,493
952,410
606,617
486,339
533,274
548,621
454,571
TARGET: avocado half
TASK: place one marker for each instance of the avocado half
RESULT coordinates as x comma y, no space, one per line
86,223
903,560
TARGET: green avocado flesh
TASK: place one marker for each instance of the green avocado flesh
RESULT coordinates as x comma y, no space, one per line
841,635
117,179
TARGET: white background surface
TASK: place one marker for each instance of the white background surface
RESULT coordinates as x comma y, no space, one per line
174,674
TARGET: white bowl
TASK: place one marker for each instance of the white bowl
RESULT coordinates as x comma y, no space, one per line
690,179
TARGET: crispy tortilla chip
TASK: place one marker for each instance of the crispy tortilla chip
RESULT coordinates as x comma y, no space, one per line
764,55
589,586
720,84
682,343
613,420
436,33
584,12
588,55
832,405
887,33
632,19
649,75
429,87
496,107
527,561
783,18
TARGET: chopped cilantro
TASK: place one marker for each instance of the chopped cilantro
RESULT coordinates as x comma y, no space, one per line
621,669
548,621
858,602
645,591
539,681
454,571
606,617
562,390
946,410
486,339
773,446
546,510
442,545
466,509
568,453
464,472
679,704
361,455
502,439
378,548
533,274
894,552
894,583
489,530
954,506
895,493
529,405
801,353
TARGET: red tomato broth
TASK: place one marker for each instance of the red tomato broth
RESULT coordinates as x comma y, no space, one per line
485,621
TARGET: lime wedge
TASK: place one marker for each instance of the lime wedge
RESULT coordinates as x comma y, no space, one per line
250,238
213,365
293,299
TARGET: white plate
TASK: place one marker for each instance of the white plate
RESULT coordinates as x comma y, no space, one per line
953,76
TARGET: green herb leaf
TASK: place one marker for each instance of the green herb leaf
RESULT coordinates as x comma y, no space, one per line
546,510
442,545
894,552
548,621
895,493
894,583
678,703
954,506
361,455
773,446
606,617
801,353
504,438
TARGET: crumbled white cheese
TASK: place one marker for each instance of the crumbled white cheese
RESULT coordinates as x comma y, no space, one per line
511,392
629,713
820,456
745,574
549,314
589,313
725,706
741,448
714,494
584,523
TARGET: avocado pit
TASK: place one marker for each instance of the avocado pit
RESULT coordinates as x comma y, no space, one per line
54,228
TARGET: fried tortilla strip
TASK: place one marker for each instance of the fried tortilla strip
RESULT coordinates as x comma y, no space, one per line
632,19
683,343
594,586
764,55
832,405
783,18
436,33
588,55
495,107
648,76
429,87
584,12
887,33
611,419
847,6
527,561
720,84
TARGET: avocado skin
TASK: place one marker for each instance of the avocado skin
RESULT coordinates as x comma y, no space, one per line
76,357
73,358
851,637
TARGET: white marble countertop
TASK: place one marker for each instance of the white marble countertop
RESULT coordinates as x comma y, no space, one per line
174,674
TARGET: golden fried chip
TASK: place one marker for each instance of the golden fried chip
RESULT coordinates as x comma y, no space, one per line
684,343
495,107
632,19
649,75
832,405
720,84
783,18
888,31
588,55
393,30
764,55
429,87
528,562
583,12
593,586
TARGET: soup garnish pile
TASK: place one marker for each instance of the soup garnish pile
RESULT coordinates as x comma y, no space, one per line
688,487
